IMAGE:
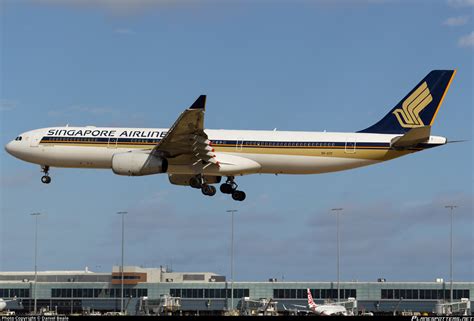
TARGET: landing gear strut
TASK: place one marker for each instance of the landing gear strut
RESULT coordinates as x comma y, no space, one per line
230,187
199,182
196,182
46,179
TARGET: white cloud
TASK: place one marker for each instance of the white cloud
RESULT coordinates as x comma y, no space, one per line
456,21
125,7
124,31
117,6
461,3
467,41
7,104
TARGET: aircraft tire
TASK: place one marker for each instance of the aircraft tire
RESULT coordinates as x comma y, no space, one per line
226,188
238,196
195,182
208,190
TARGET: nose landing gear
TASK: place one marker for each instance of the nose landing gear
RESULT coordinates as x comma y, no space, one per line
46,179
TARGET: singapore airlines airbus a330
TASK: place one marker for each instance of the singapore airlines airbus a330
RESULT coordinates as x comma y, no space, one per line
198,157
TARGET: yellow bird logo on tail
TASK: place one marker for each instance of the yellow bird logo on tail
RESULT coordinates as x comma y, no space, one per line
409,115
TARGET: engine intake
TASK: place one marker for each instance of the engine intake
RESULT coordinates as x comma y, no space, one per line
138,164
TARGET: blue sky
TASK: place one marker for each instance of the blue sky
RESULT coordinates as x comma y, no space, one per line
292,65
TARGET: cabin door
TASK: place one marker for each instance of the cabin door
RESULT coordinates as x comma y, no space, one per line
34,141
350,147
238,145
112,142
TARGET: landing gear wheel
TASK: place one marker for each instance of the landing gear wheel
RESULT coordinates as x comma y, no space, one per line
238,196
208,190
227,188
46,179
195,182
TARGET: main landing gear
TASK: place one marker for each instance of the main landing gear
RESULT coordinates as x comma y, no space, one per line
208,190
46,179
198,182
229,187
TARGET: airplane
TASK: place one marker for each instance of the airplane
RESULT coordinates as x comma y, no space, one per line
198,157
3,303
324,309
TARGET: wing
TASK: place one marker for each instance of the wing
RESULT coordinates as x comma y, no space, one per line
186,139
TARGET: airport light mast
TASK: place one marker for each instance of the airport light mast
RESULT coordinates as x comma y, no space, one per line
35,215
337,210
232,260
121,266
451,207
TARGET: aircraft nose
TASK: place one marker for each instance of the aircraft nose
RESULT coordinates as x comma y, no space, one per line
9,148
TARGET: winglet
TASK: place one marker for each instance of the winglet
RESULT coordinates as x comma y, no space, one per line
200,103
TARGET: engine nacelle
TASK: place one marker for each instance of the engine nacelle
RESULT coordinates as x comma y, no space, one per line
138,164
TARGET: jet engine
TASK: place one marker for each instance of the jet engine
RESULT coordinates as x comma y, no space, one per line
138,164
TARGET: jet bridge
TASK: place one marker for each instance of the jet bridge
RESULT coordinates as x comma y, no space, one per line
462,307
350,304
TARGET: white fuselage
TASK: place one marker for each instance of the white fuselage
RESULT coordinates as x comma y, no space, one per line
277,152
3,304
330,310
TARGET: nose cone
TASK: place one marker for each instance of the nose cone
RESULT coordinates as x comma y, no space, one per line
10,148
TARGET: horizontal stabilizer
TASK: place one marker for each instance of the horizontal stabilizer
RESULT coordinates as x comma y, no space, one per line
413,137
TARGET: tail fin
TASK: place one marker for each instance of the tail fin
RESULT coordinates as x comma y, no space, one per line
418,108
311,303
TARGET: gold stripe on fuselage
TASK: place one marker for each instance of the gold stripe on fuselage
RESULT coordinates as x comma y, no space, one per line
366,152
381,154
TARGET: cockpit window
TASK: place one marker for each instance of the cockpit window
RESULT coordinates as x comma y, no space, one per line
19,138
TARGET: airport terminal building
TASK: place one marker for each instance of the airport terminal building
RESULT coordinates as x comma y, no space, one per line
207,293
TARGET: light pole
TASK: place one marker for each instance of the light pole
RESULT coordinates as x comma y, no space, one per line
451,207
35,215
337,210
121,266
232,260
